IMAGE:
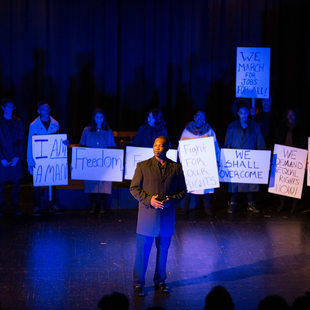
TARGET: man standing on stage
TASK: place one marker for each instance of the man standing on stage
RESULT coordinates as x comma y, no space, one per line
11,154
158,184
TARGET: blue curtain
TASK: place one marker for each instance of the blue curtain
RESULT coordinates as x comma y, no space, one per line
128,56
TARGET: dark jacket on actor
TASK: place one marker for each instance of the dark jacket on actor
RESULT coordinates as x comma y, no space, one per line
11,145
149,181
250,138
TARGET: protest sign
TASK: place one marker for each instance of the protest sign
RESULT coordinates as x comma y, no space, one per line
199,163
244,166
95,164
252,72
51,160
287,171
136,154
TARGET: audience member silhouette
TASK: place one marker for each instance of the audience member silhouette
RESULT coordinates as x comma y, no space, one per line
274,302
114,301
301,303
219,298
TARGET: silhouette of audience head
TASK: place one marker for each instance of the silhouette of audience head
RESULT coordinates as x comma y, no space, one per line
219,298
114,301
155,308
274,302
301,303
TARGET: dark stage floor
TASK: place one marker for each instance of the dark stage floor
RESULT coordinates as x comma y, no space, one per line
70,261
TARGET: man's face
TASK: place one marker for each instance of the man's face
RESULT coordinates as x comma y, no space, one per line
199,119
291,116
160,147
266,104
243,114
154,120
8,109
99,119
44,110
151,120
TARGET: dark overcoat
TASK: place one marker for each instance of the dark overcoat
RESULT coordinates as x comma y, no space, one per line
250,138
147,134
11,145
147,182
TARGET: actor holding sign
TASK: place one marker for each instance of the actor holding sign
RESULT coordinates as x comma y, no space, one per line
199,128
153,128
44,124
243,134
290,133
158,184
11,151
98,135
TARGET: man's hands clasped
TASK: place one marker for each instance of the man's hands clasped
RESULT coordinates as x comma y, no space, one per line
157,204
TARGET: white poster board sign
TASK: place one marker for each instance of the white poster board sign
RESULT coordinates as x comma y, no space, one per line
96,164
287,171
199,163
51,160
252,72
244,166
308,174
136,154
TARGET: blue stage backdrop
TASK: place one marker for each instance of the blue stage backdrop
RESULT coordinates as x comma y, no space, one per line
128,56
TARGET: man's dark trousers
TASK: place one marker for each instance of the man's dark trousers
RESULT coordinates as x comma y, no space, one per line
144,246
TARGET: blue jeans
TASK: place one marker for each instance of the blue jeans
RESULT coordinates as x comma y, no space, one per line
144,246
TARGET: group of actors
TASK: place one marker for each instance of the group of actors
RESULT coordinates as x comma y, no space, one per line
158,183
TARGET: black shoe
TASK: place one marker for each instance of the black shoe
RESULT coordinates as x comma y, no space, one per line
2,209
16,210
54,210
231,207
208,213
36,211
162,288
252,208
139,290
